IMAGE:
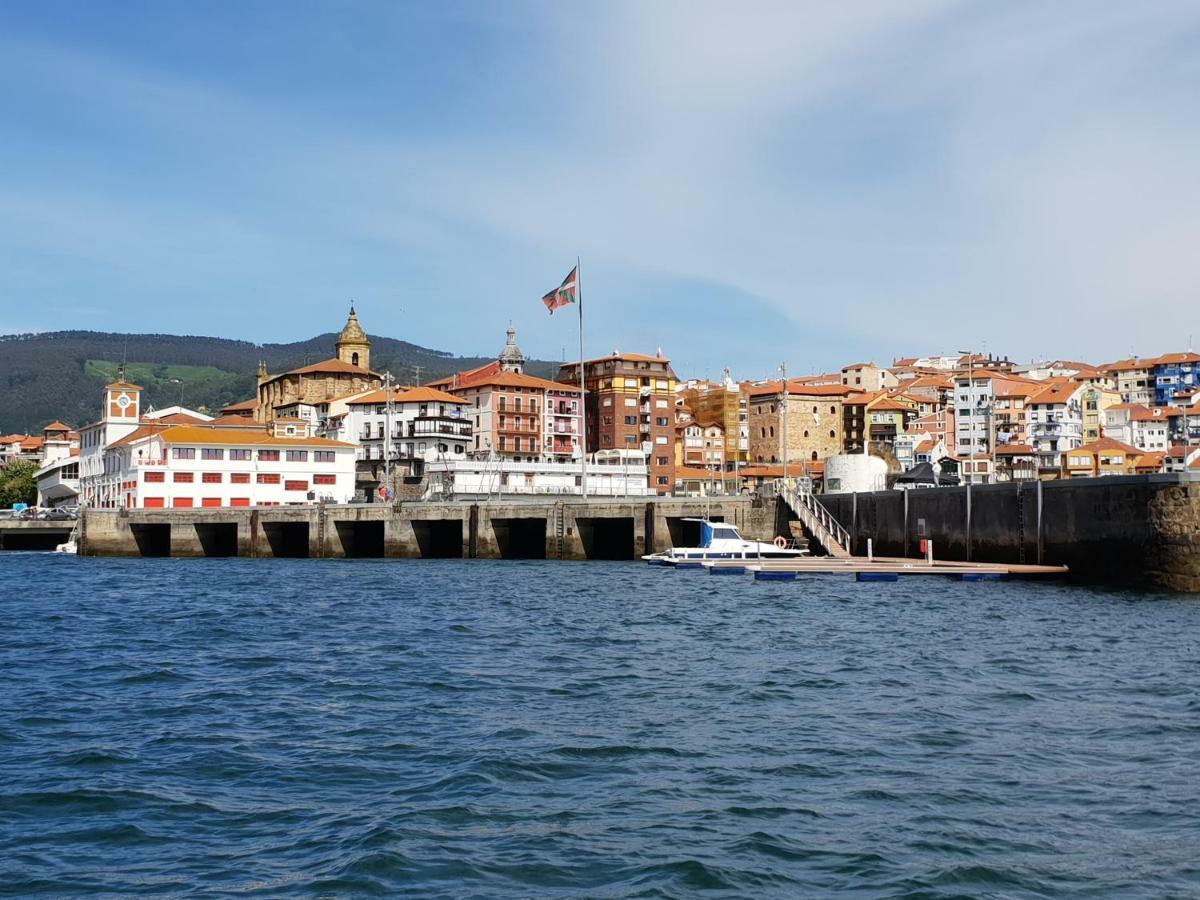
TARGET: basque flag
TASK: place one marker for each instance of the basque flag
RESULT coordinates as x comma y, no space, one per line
567,292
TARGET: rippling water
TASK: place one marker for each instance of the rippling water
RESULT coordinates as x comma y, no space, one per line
267,728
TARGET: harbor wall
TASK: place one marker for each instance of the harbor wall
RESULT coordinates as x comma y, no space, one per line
572,529
1135,531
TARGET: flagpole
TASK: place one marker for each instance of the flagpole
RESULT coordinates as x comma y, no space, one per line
582,386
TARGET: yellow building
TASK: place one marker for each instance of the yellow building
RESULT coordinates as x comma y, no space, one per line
1106,456
1095,399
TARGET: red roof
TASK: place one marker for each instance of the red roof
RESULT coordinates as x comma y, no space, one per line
408,395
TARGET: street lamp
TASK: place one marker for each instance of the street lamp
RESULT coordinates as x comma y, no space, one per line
783,412
971,408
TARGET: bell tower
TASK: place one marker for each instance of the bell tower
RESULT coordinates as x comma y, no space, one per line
353,346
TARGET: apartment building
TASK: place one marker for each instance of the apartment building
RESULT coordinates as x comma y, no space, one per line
631,406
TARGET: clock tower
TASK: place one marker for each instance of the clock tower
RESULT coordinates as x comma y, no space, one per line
122,408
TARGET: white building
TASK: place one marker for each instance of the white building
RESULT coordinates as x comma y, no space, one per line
1055,422
426,425
128,461
610,473
974,401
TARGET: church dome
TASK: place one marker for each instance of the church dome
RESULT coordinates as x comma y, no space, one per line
511,358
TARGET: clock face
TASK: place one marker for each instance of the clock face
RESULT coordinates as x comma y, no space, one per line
123,401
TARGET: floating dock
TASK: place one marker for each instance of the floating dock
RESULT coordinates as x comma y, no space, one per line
878,568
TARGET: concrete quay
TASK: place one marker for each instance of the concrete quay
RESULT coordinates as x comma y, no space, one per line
34,534
1137,531
543,528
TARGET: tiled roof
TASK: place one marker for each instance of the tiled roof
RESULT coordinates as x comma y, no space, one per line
327,366
515,379
56,425
408,395
251,404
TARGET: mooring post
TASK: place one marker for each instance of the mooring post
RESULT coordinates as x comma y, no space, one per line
968,554
1040,543
904,536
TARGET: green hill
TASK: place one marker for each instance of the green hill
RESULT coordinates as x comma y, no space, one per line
60,375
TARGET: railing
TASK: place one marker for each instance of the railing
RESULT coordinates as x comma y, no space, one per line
816,518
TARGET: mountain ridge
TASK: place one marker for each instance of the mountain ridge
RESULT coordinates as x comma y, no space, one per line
60,374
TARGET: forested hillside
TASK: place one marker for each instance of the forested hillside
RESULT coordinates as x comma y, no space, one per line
59,375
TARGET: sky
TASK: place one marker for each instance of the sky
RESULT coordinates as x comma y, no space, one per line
745,183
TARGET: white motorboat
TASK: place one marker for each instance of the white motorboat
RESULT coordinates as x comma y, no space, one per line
719,540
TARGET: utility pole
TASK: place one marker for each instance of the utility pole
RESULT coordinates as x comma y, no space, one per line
387,433
783,413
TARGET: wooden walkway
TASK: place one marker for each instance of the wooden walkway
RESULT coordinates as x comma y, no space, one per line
877,569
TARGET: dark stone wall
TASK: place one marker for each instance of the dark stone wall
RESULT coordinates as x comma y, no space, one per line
1141,530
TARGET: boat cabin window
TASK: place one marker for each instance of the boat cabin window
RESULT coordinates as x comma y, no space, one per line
728,534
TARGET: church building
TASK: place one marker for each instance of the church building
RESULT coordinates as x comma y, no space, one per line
348,372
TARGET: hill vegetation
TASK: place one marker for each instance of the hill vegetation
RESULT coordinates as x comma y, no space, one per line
60,375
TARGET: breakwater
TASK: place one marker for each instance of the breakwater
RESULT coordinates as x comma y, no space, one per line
518,529
1139,530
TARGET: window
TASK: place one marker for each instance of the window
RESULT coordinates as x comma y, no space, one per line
183,452
182,477
295,485
239,477
212,453
832,433
660,421
268,478
211,501
631,420
268,455
239,455
324,456
662,460
182,502
631,438
210,477
152,503
155,477
239,501
325,479
297,455
662,479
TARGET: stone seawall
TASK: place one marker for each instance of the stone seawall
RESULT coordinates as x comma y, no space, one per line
548,529
1137,531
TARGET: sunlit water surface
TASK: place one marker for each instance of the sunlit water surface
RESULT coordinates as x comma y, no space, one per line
269,728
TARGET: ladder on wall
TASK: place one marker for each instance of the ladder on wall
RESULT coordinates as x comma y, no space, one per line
560,529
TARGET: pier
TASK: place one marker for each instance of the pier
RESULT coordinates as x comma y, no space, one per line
544,528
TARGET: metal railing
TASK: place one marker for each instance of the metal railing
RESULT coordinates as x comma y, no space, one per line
816,518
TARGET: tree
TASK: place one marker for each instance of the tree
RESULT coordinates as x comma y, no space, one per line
17,483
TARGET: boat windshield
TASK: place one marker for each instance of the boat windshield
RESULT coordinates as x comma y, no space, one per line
725,533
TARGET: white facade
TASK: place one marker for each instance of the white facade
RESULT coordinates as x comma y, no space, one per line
426,425
610,473
197,466
974,399
1055,426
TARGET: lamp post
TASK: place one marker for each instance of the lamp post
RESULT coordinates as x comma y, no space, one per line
783,412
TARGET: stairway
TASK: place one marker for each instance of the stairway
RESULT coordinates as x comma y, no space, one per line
817,521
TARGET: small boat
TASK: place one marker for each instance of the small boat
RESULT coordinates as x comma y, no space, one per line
719,540
71,546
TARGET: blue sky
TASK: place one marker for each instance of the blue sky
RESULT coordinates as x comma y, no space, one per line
746,183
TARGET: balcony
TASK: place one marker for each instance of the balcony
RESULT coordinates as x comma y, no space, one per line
439,426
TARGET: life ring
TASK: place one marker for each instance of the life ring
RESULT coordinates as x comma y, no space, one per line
383,492
780,542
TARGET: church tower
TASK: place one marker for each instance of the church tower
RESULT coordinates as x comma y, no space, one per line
511,358
353,346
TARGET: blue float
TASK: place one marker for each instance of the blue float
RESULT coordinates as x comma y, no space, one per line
876,576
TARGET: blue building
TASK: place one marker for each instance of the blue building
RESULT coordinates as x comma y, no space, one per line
1175,372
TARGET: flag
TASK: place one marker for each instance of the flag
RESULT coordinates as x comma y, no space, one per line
567,292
